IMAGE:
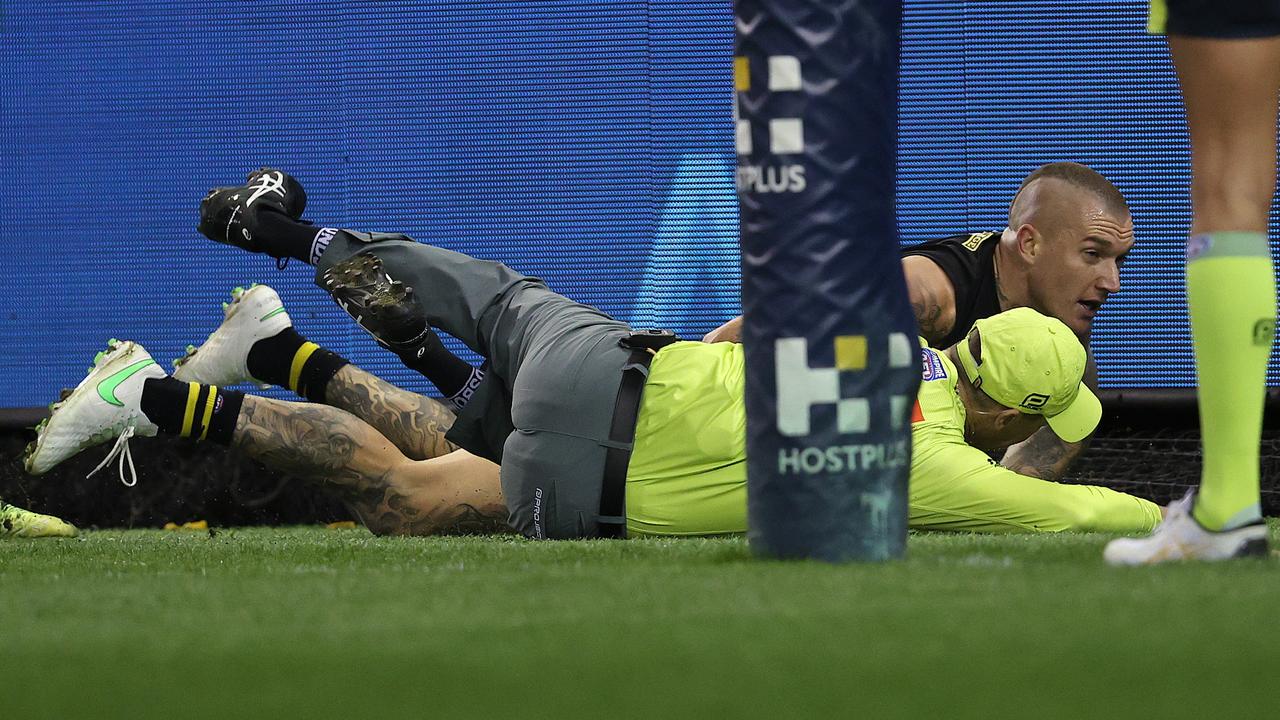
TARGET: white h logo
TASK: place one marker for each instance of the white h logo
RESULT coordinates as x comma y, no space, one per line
800,387
786,135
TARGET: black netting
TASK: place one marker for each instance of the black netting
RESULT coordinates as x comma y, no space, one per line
1161,463
178,481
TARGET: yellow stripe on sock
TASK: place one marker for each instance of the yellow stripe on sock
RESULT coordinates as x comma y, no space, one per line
189,415
300,359
208,411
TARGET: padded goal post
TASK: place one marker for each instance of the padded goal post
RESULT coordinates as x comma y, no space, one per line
830,341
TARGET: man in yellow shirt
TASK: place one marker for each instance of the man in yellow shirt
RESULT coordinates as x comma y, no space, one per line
1013,373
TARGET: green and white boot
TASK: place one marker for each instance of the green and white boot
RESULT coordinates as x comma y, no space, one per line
223,358
105,405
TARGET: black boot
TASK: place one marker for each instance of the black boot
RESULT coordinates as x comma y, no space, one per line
387,310
230,214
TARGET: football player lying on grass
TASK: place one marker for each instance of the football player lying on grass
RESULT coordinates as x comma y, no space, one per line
384,449
545,406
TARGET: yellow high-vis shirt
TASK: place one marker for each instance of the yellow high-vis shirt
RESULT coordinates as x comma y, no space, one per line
955,486
688,471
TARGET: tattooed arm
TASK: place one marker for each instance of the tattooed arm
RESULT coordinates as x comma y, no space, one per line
415,423
392,495
1044,454
933,299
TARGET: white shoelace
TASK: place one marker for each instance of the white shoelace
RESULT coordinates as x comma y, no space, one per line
121,449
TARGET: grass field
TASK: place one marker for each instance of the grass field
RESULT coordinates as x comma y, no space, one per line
337,623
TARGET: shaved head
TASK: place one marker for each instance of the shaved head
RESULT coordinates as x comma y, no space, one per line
1030,193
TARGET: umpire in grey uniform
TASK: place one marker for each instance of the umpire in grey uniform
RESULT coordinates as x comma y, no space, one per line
550,401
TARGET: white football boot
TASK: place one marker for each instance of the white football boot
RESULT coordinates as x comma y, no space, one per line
105,405
223,359
18,523
1181,537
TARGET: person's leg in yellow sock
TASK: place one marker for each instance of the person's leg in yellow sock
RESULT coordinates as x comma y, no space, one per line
1231,89
1231,298
1230,80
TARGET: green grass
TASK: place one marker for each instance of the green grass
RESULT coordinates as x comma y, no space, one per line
307,621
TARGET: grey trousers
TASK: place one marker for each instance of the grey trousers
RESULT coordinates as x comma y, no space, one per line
546,404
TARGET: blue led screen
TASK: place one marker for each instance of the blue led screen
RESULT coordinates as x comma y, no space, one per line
587,143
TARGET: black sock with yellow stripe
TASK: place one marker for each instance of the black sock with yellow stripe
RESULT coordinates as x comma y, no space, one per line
290,361
203,412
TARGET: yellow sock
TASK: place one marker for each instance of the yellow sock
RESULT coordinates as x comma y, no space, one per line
1231,297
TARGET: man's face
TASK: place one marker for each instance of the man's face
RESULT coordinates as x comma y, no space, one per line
1078,253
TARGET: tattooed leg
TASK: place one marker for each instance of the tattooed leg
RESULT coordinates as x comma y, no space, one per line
457,494
393,495
414,423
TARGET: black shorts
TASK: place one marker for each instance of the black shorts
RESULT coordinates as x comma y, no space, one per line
1225,19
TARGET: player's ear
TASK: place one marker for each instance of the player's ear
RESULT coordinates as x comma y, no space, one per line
1029,241
1005,417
